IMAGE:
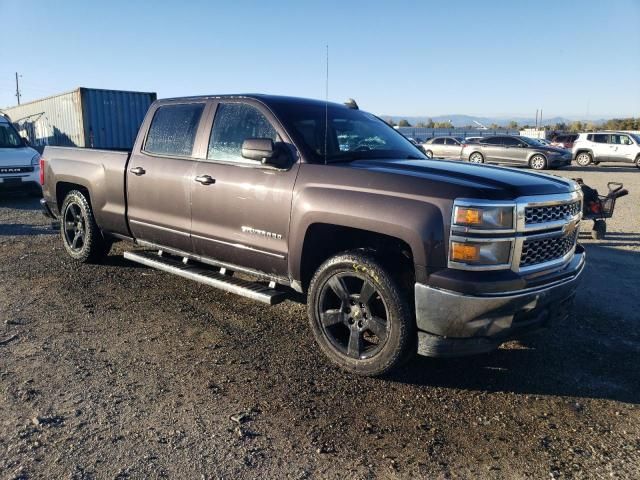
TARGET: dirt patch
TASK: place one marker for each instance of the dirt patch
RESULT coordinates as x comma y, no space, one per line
118,371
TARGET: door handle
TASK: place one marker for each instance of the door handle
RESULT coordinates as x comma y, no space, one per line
138,171
205,179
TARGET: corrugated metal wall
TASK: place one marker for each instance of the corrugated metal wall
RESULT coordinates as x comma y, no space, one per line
112,118
53,120
85,117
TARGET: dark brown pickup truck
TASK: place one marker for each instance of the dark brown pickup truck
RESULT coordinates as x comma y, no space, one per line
264,196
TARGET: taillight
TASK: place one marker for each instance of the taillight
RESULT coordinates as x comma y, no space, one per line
41,171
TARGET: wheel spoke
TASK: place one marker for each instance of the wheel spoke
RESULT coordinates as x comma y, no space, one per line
332,317
337,285
378,326
367,292
69,225
355,343
74,243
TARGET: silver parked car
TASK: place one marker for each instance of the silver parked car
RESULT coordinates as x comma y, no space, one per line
443,147
515,150
607,147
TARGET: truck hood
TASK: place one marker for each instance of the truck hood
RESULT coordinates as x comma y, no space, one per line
485,181
16,157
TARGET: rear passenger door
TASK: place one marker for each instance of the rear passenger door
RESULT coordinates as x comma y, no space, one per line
159,175
437,147
242,216
491,149
601,151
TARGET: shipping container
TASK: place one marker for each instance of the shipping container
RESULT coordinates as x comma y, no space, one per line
85,117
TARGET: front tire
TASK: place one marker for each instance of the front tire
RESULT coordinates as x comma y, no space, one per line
584,159
638,161
360,316
81,237
429,154
538,162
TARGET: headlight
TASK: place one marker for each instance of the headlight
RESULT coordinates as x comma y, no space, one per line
35,160
477,253
484,217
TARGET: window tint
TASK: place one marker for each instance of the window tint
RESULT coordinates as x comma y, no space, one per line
620,139
234,123
438,141
452,141
491,141
600,138
510,141
173,130
9,138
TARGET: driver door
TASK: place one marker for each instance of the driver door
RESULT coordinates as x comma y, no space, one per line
241,208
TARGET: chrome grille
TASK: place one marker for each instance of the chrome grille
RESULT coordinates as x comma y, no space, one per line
535,252
551,213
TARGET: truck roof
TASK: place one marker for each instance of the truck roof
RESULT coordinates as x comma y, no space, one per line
262,97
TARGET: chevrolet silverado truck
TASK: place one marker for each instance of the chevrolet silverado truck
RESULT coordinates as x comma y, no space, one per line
265,196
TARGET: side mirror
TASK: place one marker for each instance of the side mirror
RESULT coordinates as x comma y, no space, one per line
266,152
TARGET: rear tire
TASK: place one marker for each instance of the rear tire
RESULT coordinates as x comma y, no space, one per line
538,162
599,229
360,316
476,157
584,159
81,236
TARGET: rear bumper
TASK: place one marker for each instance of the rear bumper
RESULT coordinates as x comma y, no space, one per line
560,161
455,324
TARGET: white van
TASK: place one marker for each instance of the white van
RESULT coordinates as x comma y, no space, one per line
19,163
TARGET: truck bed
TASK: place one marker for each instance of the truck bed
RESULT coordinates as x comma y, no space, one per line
101,172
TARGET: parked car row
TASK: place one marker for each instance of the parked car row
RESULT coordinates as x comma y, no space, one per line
513,150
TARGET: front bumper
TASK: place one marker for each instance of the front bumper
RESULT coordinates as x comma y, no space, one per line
454,324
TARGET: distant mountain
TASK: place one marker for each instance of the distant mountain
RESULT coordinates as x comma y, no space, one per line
463,120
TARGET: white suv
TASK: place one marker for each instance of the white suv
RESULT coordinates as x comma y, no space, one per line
19,163
607,147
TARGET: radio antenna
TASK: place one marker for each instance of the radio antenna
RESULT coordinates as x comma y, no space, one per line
326,106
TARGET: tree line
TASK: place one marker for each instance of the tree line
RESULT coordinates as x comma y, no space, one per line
631,123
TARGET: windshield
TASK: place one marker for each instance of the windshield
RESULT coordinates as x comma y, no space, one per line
350,135
9,138
636,137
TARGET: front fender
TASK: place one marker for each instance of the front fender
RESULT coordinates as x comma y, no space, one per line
418,223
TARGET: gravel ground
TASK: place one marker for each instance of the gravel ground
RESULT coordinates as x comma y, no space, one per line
119,371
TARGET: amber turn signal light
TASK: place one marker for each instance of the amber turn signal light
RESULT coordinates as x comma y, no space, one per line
468,216
464,252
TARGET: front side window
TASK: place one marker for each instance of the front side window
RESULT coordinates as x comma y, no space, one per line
438,141
173,130
620,139
233,124
9,138
452,141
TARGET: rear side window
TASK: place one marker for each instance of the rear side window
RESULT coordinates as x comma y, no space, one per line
491,141
510,141
173,130
233,124
600,138
438,141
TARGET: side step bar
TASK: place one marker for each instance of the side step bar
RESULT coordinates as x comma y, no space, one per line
208,276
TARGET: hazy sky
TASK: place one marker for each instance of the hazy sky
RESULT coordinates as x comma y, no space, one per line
393,57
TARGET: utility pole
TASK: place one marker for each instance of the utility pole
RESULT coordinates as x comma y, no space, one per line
18,88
